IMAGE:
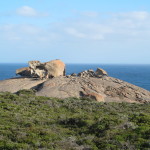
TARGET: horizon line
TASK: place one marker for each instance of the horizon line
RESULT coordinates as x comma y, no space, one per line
84,63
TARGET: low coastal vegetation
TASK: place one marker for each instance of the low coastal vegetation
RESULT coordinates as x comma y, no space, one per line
34,122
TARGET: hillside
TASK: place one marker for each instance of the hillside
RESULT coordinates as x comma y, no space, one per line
104,89
36,122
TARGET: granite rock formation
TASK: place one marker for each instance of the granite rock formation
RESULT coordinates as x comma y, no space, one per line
101,72
40,70
26,72
15,84
91,73
100,89
106,89
55,68
96,85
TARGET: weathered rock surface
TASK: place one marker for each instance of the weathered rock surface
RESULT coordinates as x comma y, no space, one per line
91,73
24,71
55,68
87,73
101,89
101,72
15,84
95,85
40,70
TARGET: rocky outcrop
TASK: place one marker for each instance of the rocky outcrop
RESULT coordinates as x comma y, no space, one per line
37,69
101,89
106,89
55,68
96,85
87,73
40,70
91,73
16,84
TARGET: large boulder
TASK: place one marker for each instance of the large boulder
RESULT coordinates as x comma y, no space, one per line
55,68
34,64
40,70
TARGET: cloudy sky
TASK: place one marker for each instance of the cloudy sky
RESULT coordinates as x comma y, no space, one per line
76,31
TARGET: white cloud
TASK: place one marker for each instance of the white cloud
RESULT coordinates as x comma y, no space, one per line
90,14
118,26
131,24
115,26
74,32
86,30
7,32
30,29
28,34
29,12
141,15
99,37
136,15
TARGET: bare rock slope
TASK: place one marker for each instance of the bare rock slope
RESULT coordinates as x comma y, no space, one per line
15,84
48,79
103,89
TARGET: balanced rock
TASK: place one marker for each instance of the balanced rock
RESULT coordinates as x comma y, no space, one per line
34,64
90,84
40,70
55,68
37,69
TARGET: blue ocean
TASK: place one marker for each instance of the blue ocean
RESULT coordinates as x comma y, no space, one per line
136,74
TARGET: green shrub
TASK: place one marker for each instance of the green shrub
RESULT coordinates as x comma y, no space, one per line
26,92
31,122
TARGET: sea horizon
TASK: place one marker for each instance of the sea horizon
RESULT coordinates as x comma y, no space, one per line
81,63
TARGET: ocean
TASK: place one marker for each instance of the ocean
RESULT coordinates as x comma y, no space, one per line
136,74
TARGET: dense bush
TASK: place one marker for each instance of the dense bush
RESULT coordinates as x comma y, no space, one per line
31,122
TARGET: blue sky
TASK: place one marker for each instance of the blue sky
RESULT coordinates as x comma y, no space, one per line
76,31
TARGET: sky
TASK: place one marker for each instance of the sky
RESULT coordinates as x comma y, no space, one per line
75,31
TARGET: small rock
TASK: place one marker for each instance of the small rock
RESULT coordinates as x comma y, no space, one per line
90,70
100,71
87,73
74,74
68,76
